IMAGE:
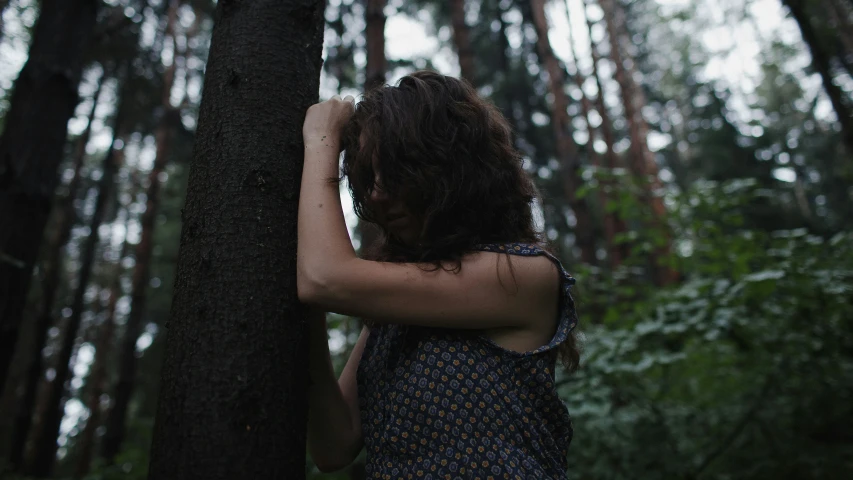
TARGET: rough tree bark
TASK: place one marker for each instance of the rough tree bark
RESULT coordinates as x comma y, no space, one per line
462,40
236,341
31,149
377,64
127,360
821,63
44,455
51,268
567,150
641,162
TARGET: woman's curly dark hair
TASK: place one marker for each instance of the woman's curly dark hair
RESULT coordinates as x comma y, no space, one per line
448,155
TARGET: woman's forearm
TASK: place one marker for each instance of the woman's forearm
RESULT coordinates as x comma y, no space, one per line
334,435
323,242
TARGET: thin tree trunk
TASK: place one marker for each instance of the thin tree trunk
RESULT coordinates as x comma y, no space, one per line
607,134
103,345
31,149
96,381
508,98
51,269
566,147
820,62
377,64
236,343
45,445
610,221
117,418
462,40
642,162
839,16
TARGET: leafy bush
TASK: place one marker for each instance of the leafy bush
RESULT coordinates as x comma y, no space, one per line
742,370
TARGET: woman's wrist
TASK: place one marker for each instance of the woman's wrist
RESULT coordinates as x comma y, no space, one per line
322,140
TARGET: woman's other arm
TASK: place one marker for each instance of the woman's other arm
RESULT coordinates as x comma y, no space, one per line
334,423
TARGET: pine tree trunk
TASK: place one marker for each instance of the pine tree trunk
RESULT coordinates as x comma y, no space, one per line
566,148
840,17
606,125
103,346
820,62
96,382
462,40
168,123
642,163
44,98
45,445
377,65
615,221
232,402
51,268
610,221
509,97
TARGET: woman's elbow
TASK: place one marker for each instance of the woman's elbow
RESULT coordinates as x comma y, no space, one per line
308,287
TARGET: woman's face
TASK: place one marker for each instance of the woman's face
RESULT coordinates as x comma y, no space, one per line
392,214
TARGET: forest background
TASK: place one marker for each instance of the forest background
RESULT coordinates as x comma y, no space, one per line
695,160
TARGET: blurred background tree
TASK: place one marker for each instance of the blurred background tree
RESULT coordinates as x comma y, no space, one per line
695,163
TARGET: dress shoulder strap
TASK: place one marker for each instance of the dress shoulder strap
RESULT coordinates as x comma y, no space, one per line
524,249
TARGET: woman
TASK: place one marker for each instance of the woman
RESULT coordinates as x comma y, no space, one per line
466,314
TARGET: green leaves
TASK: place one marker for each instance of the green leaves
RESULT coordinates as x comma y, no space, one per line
743,370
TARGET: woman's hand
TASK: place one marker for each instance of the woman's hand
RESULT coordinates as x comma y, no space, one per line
325,120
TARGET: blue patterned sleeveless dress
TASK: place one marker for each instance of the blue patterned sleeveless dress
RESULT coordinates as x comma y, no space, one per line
448,403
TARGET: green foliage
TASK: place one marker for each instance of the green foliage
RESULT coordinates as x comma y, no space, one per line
743,370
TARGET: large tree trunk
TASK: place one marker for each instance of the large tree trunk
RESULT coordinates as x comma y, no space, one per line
45,445
103,345
567,150
377,64
31,148
462,40
641,163
234,377
51,268
821,63
168,123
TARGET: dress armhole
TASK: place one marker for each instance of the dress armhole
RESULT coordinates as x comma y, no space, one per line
567,314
